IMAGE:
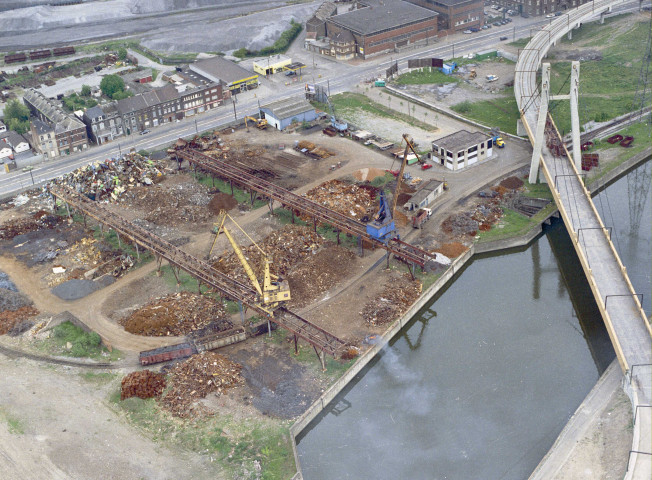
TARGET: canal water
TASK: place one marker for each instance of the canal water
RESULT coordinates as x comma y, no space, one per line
484,378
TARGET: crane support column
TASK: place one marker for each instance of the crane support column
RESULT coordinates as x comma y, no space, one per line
575,117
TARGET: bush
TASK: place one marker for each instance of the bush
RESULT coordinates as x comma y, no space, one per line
241,53
463,107
17,116
279,46
85,90
122,53
83,343
121,95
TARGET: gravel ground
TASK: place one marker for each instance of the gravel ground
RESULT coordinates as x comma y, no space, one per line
12,300
6,283
76,288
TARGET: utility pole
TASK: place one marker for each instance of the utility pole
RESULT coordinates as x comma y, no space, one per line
235,116
514,35
196,128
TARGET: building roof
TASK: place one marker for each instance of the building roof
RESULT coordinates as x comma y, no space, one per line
288,107
14,139
41,127
460,140
343,36
424,191
94,112
218,68
453,3
325,10
381,16
50,109
147,99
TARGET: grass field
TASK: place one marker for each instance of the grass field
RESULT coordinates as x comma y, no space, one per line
501,112
425,76
346,104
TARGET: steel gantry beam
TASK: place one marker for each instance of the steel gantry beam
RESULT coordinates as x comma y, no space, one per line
298,203
321,340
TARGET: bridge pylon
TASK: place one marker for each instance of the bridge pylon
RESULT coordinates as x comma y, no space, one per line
546,97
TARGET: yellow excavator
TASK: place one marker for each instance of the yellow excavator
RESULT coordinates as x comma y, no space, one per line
274,292
261,123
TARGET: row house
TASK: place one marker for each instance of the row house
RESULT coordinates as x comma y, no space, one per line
103,123
57,133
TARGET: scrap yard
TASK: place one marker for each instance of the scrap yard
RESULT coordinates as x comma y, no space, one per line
236,271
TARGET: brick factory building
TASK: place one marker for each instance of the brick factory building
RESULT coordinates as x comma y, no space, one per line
373,27
455,15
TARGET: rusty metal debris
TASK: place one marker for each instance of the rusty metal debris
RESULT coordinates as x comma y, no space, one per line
194,379
142,384
177,314
397,296
348,199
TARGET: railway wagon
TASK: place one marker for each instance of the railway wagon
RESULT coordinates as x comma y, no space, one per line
63,51
15,58
36,54
163,354
221,339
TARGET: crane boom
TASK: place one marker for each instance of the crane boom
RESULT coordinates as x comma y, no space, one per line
243,261
399,177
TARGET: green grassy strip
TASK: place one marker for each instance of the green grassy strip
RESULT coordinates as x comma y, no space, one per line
280,46
500,112
425,76
515,224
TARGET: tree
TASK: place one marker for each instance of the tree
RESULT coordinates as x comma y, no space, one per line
111,84
122,53
17,116
86,90
121,95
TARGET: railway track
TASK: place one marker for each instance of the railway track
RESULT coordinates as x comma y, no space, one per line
320,339
11,353
296,202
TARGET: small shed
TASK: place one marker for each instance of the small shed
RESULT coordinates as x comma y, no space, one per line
282,113
425,195
361,135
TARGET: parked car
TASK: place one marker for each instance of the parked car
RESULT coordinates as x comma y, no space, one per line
502,39
508,20
474,29
557,14
550,15
144,132
467,31
497,24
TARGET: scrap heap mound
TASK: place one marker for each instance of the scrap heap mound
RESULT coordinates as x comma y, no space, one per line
451,250
348,199
512,183
286,247
319,273
222,201
142,384
173,204
15,309
36,221
108,180
395,299
486,215
460,225
193,379
177,314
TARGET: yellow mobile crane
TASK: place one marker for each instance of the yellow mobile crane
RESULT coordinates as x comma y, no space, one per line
274,292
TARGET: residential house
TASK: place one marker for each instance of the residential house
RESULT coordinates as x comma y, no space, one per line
69,132
150,109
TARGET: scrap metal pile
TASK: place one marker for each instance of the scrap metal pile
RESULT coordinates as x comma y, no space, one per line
15,308
194,379
395,299
36,221
312,150
108,180
287,247
171,204
177,314
346,198
319,273
142,384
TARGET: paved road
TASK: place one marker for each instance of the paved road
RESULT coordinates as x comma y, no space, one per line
338,76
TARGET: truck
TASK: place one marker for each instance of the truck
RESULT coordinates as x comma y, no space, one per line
498,141
379,83
422,216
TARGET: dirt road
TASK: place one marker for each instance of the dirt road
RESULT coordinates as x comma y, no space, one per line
55,423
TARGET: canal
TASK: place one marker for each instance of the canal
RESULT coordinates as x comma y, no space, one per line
481,382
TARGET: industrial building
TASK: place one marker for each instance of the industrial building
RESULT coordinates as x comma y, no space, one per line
282,113
455,15
54,132
462,149
425,195
371,28
219,70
